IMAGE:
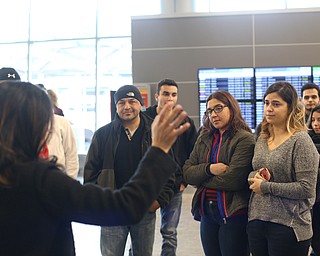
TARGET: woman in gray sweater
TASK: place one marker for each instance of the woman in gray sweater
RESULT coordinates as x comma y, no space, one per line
284,181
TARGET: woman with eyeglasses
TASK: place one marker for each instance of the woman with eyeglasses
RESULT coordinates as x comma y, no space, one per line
283,182
219,166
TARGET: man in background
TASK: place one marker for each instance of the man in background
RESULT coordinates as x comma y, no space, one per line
310,94
114,154
167,91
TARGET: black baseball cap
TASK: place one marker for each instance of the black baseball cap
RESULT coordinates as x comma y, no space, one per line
9,74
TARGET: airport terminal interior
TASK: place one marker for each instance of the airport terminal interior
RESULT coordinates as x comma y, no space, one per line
85,50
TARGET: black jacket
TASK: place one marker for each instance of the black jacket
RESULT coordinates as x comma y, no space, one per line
99,165
182,147
316,140
37,210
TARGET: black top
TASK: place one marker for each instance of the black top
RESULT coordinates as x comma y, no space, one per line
182,147
37,210
128,155
99,165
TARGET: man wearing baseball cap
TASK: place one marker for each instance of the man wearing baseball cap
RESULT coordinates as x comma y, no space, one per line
9,74
112,159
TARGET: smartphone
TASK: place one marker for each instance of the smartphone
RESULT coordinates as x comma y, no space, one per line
264,172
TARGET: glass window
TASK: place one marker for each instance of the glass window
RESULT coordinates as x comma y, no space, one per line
64,53
62,19
15,56
114,17
14,20
303,4
68,68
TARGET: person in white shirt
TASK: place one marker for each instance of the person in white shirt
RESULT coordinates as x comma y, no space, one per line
62,144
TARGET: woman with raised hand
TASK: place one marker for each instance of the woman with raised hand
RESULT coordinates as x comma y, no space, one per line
39,202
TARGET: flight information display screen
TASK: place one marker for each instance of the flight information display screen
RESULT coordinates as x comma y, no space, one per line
248,110
316,75
248,85
259,112
297,76
238,81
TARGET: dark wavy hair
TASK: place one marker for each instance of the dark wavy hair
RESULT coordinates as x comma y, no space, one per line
236,122
26,118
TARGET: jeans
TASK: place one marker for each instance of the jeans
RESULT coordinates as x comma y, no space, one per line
221,238
272,239
170,216
113,239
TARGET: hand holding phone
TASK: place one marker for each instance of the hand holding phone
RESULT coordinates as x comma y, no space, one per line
264,172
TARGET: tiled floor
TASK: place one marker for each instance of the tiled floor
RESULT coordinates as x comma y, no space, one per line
87,237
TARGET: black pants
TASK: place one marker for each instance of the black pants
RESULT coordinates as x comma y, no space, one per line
223,239
272,239
315,243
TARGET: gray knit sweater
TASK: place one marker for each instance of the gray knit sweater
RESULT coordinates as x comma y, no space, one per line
290,194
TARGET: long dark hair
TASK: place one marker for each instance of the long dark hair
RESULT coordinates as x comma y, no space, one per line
295,121
236,122
315,137
309,121
25,121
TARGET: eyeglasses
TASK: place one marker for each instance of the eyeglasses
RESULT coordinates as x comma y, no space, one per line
217,109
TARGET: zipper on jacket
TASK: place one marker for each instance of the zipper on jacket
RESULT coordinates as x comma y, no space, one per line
222,205
220,194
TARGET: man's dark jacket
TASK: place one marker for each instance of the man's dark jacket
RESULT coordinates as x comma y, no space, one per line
99,165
